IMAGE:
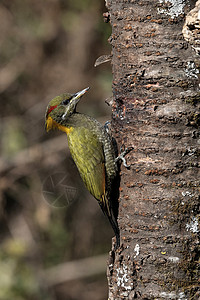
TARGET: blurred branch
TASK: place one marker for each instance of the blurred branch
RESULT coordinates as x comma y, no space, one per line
75,270
34,154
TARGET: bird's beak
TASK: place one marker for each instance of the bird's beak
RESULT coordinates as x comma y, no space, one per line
78,95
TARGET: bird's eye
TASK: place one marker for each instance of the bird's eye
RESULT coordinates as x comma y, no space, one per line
66,101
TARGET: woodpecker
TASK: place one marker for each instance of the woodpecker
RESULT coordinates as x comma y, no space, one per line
92,149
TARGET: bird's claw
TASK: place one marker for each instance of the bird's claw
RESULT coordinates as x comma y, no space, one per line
106,126
122,158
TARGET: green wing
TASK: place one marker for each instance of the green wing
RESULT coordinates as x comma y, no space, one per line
87,152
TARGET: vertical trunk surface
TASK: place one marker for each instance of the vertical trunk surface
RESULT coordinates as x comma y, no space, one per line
155,110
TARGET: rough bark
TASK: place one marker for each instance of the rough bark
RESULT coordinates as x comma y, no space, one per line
156,110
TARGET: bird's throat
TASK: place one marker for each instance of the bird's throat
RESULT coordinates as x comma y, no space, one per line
51,124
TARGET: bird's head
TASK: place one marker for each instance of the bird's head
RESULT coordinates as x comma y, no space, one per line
61,107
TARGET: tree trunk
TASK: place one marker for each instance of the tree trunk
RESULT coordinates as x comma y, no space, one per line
155,110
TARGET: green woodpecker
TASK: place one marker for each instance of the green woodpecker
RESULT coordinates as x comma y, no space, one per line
92,150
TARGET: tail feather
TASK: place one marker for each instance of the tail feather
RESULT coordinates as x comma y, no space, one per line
115,227
108,211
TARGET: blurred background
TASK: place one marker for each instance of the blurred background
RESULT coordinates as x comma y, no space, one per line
54,239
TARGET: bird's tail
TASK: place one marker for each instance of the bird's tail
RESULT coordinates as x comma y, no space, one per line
108,211
115,227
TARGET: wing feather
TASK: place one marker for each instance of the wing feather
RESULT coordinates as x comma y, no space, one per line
87,152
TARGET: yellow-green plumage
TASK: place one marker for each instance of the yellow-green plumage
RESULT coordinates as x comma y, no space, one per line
91,148
84,144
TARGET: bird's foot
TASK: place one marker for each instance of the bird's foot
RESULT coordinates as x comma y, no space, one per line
106,126
122,155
